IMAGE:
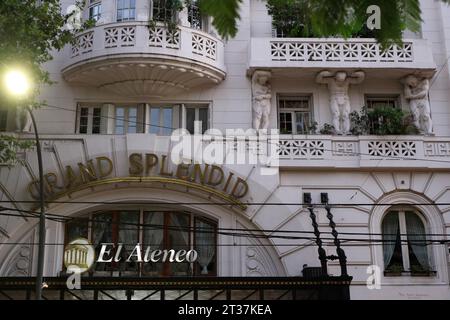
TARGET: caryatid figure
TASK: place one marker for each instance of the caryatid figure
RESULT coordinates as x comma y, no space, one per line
23,120
338,85
416,92
262,99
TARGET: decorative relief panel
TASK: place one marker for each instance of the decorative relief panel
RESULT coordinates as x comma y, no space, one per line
204,46
437,149
20,262
287,50
392,148
345,148
301,149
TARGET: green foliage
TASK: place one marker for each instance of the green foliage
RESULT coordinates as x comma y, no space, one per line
381,121
327,129
290,17
328,18
29,32
225,14
168,15
9,146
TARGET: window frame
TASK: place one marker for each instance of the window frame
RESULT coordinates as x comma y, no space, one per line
404,245
192,218
203,22
173,14
179,115
92,4
383,97
197,108
122,9
126,126
293,111
90,119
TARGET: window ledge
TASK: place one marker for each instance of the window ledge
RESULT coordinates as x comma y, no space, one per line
410,274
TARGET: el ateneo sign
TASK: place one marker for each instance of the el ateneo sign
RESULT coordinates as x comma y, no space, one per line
140,165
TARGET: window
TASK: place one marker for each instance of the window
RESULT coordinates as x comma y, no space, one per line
165,119
126,120
95,10
126,10
404,243
3,119
196,116
295,116
90,120
373,102
162,12
159,230
195,17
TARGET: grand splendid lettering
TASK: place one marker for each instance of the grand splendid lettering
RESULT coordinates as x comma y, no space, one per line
140,165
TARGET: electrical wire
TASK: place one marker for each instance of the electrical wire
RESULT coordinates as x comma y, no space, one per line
351,153
236,231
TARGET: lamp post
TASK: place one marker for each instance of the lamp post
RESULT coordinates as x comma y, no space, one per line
18,85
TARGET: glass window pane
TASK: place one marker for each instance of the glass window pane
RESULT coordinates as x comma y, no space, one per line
96,121
203,117
417,243
179,240
167,121
205,245
190,120
302,122
132,14
154,238
392,251
102,233
120,120
76,229
129,237
154,121
132,120
286,123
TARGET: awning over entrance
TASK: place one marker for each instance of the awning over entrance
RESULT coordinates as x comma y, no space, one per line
266,288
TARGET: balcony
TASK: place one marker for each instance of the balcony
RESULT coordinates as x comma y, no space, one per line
410,152
318,53
132,59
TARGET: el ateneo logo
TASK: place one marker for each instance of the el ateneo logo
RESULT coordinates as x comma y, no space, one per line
79,256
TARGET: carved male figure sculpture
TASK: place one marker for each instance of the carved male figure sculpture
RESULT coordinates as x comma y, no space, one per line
416,92
262,99
23,126
338,85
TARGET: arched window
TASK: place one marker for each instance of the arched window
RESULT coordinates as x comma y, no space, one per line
157,230
405,246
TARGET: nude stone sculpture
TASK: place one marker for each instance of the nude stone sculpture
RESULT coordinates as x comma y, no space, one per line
262,99
338,85
416,92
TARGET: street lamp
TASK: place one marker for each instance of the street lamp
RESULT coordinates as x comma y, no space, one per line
18,85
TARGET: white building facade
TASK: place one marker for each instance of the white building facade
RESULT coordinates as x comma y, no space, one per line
126,86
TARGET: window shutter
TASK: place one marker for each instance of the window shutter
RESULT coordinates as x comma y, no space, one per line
176,116
107,124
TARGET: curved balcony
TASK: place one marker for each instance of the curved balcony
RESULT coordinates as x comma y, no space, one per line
134,60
